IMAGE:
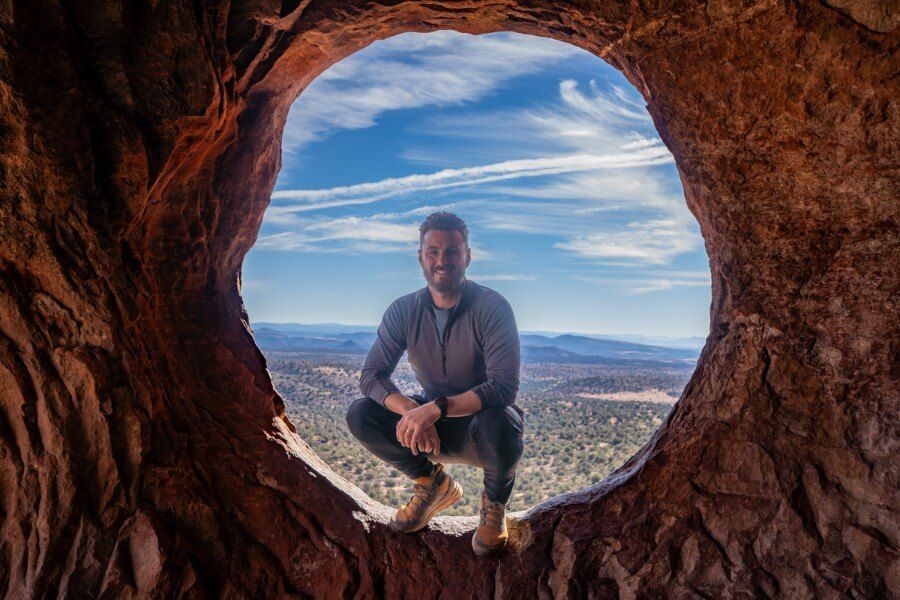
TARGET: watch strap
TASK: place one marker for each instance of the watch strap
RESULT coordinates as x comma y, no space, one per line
441,402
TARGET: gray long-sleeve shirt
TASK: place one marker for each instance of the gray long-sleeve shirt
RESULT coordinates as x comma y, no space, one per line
480,350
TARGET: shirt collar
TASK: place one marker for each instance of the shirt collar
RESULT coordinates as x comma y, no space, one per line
467,290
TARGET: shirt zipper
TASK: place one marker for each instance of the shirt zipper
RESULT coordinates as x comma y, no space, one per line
441,342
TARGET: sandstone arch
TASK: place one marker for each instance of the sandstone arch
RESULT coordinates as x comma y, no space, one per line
142,447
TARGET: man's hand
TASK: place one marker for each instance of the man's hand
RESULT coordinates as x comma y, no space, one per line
427,441
416,429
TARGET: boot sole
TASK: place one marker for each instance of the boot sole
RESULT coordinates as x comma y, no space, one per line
484,550
450,498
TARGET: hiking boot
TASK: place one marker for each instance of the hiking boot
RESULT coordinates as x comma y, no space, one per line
431,495
491,535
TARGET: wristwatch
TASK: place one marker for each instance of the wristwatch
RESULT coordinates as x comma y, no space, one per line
441,402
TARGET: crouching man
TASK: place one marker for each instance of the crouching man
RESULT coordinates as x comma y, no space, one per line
463,345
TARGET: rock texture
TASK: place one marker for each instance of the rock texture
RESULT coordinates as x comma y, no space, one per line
144,452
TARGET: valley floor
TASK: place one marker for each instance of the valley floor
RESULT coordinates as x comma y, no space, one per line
581,423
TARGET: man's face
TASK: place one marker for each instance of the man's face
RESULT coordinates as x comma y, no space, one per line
444,256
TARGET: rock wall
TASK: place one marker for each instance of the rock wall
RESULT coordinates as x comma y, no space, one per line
144,452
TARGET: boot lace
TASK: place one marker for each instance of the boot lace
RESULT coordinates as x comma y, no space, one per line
491,513
421,493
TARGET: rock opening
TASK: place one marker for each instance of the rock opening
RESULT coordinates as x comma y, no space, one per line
145,453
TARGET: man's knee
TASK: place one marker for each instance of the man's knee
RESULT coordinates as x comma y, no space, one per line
359,414
499,434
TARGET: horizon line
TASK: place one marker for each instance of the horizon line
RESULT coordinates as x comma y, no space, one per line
375,326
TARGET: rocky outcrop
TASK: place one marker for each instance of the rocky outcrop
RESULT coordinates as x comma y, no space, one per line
145,453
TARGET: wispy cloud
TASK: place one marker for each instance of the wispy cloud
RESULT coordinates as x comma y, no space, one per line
365,193
610,216
411,71
562,179
660,285
258,285
652,242
597,119
354,233
649,282
369,229
592,122
377,233
507,277
598,179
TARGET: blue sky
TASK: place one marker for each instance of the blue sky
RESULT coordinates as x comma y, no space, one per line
574,206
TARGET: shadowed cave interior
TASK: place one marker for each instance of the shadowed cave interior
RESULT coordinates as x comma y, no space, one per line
145,453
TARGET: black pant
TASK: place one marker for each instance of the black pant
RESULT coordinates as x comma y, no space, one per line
490,439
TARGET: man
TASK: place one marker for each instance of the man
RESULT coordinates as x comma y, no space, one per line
463,345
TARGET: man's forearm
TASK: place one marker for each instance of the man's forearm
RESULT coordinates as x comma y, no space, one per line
399,403
461,405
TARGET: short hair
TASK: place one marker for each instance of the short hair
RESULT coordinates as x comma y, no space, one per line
443,221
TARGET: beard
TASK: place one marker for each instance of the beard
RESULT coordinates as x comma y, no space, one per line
449,283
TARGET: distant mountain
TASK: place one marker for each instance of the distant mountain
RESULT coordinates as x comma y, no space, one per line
554,355
695,343
272,339
316,328
607,348
685,343
363,339
564,348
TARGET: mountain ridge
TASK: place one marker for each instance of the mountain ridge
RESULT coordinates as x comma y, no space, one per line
563,348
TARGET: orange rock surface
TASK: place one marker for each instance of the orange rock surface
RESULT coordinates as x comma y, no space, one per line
145,453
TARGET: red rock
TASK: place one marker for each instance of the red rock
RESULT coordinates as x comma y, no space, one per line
144,452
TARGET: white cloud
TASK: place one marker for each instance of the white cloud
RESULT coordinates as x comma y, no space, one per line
509,277
258,285
603,189
659,285
355,234
366,193
377,233
652,242
596,117
427,209
413,70
649,282
595,122
622,216
369,229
